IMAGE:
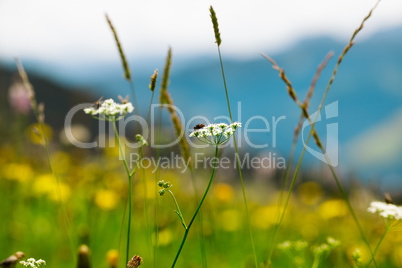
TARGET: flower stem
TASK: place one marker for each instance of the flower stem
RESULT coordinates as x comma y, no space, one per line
183,222
145,190
130,176
150,106
378,246
157,175
41,123
129,218
200,221
197,210
286,202
238,163
312,130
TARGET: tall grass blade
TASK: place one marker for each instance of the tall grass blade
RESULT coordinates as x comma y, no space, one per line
40,117
306,104
126,68
166,99
319,144
218,42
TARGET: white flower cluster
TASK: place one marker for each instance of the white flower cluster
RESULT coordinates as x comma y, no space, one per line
215,133
325,247
31,262
216,130
110,108
297,245
388,211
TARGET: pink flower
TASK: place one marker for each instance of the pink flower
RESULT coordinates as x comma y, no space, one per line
19,97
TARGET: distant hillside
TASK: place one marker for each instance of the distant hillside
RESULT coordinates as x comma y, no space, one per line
368,86
57,97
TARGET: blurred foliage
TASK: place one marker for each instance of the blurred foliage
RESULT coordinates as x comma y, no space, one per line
93,187
94,192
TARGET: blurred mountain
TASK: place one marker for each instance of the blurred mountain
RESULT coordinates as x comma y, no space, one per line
385,145
368,88
58,97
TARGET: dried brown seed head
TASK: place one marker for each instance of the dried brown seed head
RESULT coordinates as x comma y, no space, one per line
134,262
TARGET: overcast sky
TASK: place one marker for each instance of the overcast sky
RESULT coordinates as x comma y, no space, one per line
75,30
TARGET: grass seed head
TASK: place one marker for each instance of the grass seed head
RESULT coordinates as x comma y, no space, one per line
134,262
216,26
83,257
127,73
152,84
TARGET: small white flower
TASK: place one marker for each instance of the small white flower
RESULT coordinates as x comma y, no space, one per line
333,242
229,132
109,109
91,111
300,245
126,108
388,211
205,133
215,133
235,125
222,125
31,262
320,249
285,245
141,141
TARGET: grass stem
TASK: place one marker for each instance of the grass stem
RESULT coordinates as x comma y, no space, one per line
312,132
157,177
197,210
200,221
130,179
378,246
39,116
238,163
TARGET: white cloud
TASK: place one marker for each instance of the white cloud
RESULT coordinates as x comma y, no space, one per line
70,30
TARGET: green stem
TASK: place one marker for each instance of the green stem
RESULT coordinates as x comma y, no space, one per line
150,106
41,123
282,193
378,246
287,201
238,163
123,156
197,210
331,80
130,176
339,185
144,182
200,221
344,195
351,210
58,189
122,224
316,262
157,175
129,219
183,222
224,83
288,166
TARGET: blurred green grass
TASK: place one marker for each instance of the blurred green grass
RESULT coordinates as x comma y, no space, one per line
94,190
